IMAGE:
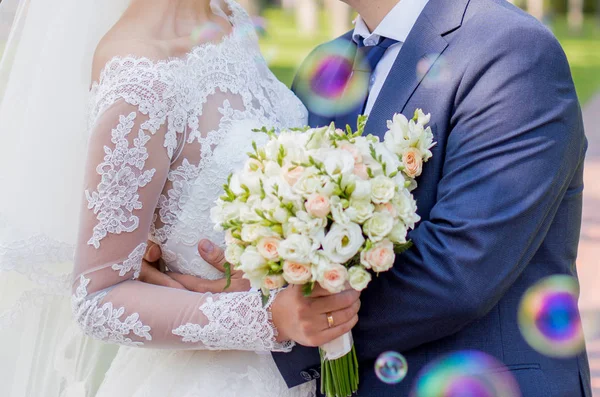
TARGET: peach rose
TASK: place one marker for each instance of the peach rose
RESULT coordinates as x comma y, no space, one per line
268,247
296,273
387,207
318,206
292,174
380,258
274,281
353,150
334,278
412,159
360,170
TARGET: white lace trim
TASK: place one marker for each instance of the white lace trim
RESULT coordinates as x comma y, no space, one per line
133,262
235,321
104,321
123,174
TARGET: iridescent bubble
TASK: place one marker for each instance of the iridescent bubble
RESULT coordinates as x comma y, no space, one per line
467,373
433,69
549,318
326,82
207,32
391,367
260,25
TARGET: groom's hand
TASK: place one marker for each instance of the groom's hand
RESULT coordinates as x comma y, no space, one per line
305,319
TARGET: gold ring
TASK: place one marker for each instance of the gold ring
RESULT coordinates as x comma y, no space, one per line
330,320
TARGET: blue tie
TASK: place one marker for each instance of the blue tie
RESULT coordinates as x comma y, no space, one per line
366,60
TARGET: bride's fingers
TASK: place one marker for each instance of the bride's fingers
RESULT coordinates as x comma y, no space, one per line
212,254
197,284
153,253
151,275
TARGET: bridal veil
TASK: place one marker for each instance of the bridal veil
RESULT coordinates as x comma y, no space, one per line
44,81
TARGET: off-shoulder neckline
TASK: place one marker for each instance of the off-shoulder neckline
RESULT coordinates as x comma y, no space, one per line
166,62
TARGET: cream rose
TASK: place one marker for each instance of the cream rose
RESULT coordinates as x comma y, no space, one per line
387,207
253,263
380,257
273,281
342,242
398,233
378,226
233,253
268,247
292,174
296,273
296,248
382,189
333,277
318,206
362,190
253,232
337,162
360,210
359,278
412,159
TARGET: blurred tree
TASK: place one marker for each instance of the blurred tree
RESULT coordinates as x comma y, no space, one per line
575,15
340,15
536,8
307,16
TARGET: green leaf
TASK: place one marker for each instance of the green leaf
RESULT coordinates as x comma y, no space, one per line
361,123
227,266
307,289
400,248
265,297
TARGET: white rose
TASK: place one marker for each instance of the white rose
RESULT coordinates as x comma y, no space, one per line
336,162
398,233
233,254
247,213
342,242
333,277
380,257
253,263
252,181
360,210
296,248
382,189
337,211
304,224
268,247
296,273
378,226
273,281
406,206
252,232
359,278
362,190
309,183
281,215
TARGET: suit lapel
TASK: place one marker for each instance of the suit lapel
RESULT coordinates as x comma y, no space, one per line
426,40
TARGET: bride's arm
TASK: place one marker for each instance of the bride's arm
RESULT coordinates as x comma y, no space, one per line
125,175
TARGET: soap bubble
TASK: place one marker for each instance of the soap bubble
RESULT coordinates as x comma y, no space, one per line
326,82
433,69
549,318
391,367
466,373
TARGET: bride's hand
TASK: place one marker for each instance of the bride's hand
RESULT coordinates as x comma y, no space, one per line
215,256
151,273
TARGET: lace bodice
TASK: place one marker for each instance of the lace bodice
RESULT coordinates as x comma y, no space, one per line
164,135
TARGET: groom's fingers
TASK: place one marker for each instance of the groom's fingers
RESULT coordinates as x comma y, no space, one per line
197,284
341,316
333,303
153,253
212,254
334,332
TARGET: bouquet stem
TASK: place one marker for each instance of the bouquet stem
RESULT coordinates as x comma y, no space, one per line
339,367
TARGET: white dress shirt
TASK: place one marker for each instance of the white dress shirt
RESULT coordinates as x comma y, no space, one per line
396,25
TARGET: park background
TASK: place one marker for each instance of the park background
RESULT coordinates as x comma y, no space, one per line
290,29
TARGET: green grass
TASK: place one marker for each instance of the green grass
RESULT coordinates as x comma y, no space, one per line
285,50
583,51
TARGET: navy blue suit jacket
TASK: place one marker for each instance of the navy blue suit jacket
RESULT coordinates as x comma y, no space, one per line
500,200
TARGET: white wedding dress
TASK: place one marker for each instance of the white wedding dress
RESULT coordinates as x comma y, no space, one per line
164,136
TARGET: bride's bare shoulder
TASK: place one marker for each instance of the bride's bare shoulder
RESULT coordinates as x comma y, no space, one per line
121,41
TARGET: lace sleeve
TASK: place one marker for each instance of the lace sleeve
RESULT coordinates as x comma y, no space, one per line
128,164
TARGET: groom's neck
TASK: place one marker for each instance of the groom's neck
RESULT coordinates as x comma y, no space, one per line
372,11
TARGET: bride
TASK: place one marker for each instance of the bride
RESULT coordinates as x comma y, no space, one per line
167,120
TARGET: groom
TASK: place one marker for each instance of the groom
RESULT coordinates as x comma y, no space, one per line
500,200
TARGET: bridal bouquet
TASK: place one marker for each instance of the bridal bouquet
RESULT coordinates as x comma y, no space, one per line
325,206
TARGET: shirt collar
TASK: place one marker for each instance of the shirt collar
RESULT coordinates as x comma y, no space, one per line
396,25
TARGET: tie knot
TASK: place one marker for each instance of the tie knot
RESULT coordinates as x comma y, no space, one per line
369,56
